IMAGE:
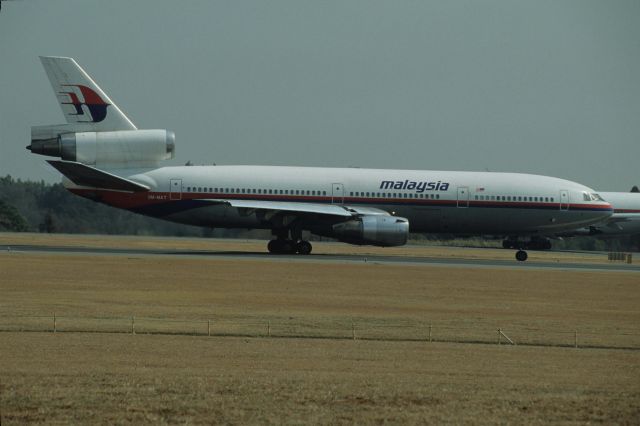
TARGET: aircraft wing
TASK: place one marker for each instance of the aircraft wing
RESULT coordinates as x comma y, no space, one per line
302,208
84,175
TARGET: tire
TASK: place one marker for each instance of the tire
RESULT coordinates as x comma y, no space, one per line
521,255
287,247
273,246
303,247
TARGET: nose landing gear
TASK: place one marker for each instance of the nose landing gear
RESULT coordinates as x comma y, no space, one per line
535,243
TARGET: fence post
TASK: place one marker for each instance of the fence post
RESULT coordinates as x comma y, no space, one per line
575,339
430,330
55,328
499,336
133,325
269,328
209,328
353,329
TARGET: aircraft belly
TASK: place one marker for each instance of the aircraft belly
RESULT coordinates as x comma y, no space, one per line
216,216
487,220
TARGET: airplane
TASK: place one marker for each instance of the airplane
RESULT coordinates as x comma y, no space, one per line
625,219
104,157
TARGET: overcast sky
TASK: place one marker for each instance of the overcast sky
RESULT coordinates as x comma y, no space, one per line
546,87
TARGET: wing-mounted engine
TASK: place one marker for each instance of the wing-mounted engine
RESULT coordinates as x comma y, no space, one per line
121,148
377,230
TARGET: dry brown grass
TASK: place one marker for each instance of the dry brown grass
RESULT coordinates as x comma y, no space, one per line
107,379
112,378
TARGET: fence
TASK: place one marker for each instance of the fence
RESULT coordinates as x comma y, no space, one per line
620,257
339,328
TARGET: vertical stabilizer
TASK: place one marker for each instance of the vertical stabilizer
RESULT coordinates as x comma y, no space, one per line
82,101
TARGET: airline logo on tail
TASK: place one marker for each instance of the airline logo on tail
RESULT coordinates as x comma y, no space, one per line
97,107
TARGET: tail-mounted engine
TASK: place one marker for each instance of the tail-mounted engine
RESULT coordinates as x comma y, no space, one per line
122,148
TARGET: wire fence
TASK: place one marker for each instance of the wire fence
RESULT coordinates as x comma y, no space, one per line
610,337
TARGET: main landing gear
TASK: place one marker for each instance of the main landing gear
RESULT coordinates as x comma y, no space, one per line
289,241
279,246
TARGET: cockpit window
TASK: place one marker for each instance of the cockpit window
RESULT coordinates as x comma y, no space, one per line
592,196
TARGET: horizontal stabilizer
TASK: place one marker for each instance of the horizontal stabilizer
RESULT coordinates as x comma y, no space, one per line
84,175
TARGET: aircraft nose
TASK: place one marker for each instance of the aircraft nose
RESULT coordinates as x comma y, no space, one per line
607,210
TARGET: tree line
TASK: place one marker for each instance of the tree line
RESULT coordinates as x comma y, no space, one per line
27,206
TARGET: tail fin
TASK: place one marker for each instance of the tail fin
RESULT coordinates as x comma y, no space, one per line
83,103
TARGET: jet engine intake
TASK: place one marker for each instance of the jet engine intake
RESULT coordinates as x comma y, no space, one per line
377,230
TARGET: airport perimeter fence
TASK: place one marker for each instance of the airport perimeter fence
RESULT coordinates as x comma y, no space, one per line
382,329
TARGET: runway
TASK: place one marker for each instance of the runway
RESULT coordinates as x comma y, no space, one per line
327,258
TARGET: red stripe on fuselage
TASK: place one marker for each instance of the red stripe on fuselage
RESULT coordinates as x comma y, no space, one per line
128,200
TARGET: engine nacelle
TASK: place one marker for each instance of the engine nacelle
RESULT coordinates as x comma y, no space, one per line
125,148
377,230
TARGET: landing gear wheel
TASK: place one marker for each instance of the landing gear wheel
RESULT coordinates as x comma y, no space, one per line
281,247
274,246
287,247
521,255
303,247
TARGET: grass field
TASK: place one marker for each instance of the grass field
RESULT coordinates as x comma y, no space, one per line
119,378
107,379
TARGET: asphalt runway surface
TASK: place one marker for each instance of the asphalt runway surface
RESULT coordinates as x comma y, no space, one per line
328,258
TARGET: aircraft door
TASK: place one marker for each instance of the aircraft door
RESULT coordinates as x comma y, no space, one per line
463,197
564,199
175,189
337,193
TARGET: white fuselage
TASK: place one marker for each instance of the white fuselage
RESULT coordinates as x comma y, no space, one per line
432,201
